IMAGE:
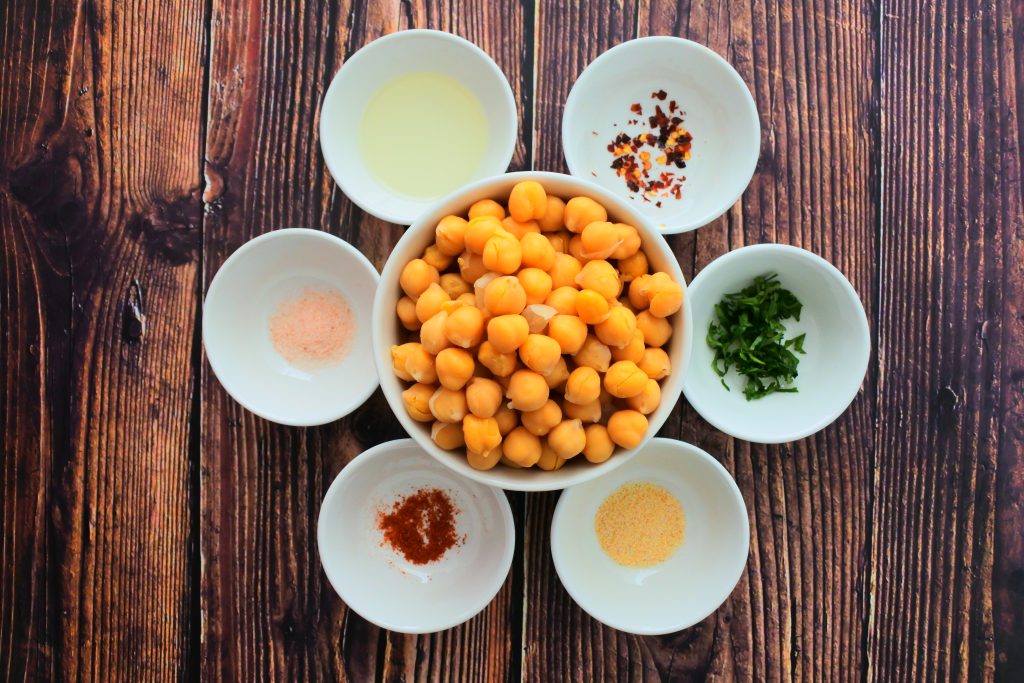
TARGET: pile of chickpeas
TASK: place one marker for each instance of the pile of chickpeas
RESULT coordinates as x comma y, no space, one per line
536,332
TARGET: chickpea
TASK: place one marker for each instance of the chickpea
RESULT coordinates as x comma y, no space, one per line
481,433
454,285
593,354
467,299
417,401
627,428
618,328
430,302
484,461
632,267
577,251
541,421
633,351
483,396
412,362
554,214
581,212
406,310
522,447
583,386
486,207
657,331
563,273
558,375
560,241
628,239
507,333
465,326
655,363
503,253
501,364
624,379
447,405
601,277
416,276
450,235
536,283
567,438
599,445
569,331
471,267
528,201
508,463
638,292
479,230
433,256
646,401
527,390
454,367
506,418
504,296
666,295
432,335
600,239
447,435
591,307
520,230
537,251
549,460
540,353
584,412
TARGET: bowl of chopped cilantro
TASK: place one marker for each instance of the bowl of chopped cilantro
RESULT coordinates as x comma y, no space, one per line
781,343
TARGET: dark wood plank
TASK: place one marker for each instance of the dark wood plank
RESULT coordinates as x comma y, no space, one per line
100,140
948,547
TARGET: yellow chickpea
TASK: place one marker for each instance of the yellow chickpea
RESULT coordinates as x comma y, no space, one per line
583,386
632,267
506,333
618,328
417,401
430,301
467,299
435,258
465,326
406,310
450,235
500,364
563,300
628,239
540,353
454,285
593,354
507,419
471,267
599,446
657,331
536,283
569,331
666,295
504,295
577,251
560,241
522,447
432,335
625,379
481,433
601,277
541,421
599,239
416,277
567,438
486,207
527,201
646,401
483,396
483,461
581,212
638,292
447,405
527,390
554,215
584,412
557,376
549,460
591,307
564,271
503,253
537,251
633,351
479,230
454,367
520,230
627,428
655,363
447,435
412,363
508,463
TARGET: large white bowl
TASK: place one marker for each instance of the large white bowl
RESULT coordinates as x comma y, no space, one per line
719,112
384,60
688,586
387,330
838,346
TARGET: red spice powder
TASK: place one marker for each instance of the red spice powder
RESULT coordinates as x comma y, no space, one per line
420,526
313,327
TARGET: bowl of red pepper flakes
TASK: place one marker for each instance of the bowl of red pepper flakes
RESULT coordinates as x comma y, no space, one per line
666,123
410,545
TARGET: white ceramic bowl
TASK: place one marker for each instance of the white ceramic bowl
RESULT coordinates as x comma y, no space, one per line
837,346
684,589
247,290
376,581
719,113
387,331
378,63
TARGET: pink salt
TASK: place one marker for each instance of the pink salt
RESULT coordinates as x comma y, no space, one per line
312,328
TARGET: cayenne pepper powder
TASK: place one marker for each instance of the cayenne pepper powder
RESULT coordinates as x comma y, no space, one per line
420,526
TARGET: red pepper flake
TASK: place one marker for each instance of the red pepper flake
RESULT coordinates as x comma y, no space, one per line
636,109
660,94
420,526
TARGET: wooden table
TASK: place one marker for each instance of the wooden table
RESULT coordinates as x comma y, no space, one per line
154,530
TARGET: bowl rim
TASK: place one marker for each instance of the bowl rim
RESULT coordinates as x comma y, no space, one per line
366,459
861,322
589,73
683,449
383,314
233,261
505,140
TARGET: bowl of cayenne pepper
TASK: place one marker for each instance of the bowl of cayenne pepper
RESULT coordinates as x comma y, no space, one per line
410,545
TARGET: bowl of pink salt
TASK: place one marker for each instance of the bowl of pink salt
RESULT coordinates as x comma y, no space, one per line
286,327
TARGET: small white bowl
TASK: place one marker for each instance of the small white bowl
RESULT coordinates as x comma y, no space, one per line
720,114
243,296
382,61
376,581
837,346
688,586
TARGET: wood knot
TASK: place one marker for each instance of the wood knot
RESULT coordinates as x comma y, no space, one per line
169,230
133,327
